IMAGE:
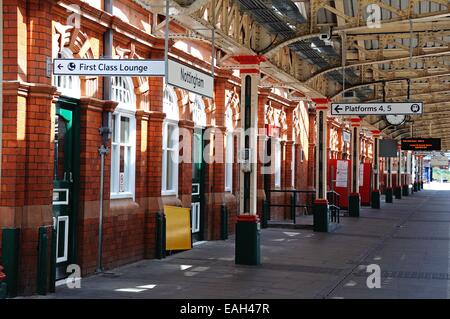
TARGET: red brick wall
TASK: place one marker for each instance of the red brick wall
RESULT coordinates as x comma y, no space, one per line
27,151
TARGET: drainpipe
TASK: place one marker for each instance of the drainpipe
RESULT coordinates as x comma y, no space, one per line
105,130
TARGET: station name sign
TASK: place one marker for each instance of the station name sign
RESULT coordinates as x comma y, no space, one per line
190,79
346,109
421,144
108,67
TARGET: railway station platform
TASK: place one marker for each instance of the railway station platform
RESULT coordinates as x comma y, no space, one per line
270,148
409,240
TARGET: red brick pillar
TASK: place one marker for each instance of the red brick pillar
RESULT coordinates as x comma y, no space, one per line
286,159
137,222
216,166
287,184
27,171
142,147
311,149
153,176
290,141
215,183
185,168
27,148
154,162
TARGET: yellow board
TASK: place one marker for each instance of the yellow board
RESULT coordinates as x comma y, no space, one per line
178,228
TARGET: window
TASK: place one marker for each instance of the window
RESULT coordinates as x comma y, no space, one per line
277,163
229,150
169,185
198,112
123,152
229,162
68,85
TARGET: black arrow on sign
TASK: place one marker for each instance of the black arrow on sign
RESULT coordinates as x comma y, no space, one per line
60,66
337,109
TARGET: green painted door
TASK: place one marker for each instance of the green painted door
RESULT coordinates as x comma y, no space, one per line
197,206
65,174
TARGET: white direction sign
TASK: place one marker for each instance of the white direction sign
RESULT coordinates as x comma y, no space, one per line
108,67
190,79
376,108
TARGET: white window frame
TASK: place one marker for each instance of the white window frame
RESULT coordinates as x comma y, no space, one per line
171,119
277,152
199,112
229,151
64,257
127,110
229,159
174,150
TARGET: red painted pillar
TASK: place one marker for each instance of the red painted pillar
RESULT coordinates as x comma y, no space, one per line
376,171
320,207
354,201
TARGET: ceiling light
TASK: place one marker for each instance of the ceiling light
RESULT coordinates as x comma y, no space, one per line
276,10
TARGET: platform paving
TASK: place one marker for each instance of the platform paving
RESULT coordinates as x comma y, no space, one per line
409,240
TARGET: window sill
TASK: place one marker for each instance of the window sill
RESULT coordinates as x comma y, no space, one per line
121,196
168,193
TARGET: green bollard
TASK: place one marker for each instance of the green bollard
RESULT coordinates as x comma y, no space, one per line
164,236
3,285
321,219
159,236
3,290
248,240
42,268
354,204
398,192
375,199
405,190
223,222
265,214
10,258
293,208
52,276
389,195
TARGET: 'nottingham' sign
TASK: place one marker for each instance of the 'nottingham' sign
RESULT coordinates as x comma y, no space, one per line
421,144
411,108
108,67
190,79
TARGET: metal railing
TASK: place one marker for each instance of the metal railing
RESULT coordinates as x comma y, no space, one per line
295,202
334,205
